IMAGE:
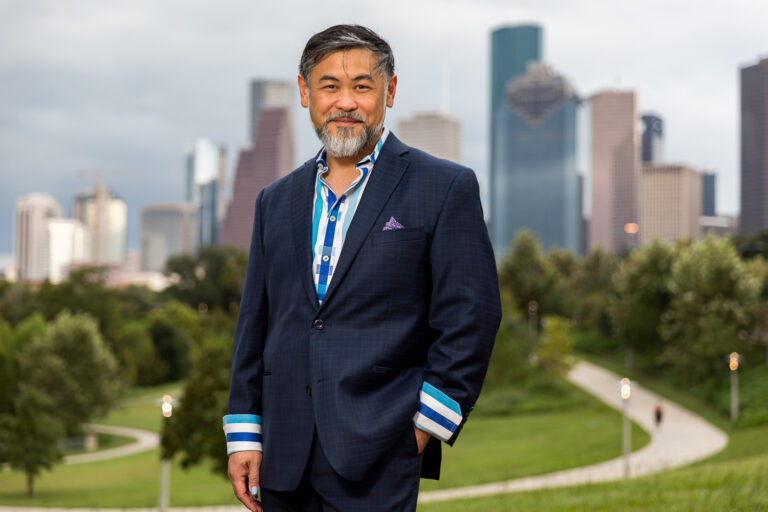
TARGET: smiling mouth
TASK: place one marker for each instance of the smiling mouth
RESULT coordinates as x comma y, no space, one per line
346,121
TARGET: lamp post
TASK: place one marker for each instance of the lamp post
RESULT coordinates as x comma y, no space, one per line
733,365
165,463
626,430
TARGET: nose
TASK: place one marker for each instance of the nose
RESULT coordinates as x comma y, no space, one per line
346,101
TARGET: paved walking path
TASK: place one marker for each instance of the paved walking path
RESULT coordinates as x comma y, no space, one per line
145,440
682,438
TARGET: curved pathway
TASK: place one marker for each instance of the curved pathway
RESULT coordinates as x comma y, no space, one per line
682,438
145,440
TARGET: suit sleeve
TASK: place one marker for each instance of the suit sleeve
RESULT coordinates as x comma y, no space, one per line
465,311
242,426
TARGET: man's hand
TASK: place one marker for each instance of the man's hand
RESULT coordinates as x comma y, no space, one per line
243,472
422,438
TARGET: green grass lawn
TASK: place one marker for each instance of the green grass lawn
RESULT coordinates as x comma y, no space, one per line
733,480
491,448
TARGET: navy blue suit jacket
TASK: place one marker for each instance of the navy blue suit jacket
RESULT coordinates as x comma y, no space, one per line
404,306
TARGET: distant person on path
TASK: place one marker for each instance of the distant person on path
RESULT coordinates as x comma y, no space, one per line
658,414
369,308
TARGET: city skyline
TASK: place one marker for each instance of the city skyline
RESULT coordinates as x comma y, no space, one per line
95,102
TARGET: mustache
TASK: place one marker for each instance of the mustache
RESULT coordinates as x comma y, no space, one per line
346,115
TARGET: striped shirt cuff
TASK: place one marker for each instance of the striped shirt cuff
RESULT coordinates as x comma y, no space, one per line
438,413
243,432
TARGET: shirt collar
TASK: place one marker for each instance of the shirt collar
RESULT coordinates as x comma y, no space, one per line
368,159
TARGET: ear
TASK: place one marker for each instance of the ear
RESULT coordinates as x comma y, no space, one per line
303,91
391,87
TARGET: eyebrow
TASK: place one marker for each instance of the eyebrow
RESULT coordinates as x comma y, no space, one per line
355,79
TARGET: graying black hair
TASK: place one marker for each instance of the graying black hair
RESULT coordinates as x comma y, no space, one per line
346,37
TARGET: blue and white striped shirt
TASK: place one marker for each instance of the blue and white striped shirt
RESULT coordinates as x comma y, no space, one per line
332,215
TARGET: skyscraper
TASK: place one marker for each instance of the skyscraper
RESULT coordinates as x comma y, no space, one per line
31,240
536,183
167,229
708,189
269,157
206,163
754,147
653,138
670,203
615,175
267,94
512,49
69,244
105,216
434,132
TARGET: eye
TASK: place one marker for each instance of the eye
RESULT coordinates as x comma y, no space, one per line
329,87
362,87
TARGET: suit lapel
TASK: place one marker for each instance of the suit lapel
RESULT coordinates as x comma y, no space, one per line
301,220
386,174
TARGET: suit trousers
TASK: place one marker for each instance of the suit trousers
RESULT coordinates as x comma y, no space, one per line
392,485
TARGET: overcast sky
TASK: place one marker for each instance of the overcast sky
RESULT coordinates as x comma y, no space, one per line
125,86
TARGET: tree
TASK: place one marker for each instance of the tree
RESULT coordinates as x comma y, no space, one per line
84,291
136,355
72,365
713,296
592,284
641,297
194,430
29,435
528,276
174,330
213,278
553,350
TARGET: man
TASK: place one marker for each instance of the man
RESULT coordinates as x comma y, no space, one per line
370,304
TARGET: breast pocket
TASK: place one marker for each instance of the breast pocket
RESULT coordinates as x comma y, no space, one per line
397,235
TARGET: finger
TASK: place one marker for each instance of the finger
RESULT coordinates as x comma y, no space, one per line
253,481
237,475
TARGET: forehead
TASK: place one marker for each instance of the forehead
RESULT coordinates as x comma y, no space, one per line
350,63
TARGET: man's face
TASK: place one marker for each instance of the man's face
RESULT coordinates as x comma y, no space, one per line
347,100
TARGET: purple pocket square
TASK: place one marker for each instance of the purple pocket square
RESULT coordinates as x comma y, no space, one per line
392,224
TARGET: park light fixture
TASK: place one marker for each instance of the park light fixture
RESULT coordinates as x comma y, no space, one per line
626,427
733,361
626,388
167,406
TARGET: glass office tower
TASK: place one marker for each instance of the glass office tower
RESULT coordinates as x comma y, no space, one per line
537,180
512,49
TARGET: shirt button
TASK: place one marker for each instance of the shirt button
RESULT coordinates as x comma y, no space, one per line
318,324
333,218
326,258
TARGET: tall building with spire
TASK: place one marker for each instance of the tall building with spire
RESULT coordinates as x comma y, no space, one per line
536,182
513,47
754,147
269,157
614,223
434,132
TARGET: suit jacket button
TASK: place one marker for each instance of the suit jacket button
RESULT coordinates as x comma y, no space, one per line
318,324
309,391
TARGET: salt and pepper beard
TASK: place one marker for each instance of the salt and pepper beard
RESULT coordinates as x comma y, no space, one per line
347,143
